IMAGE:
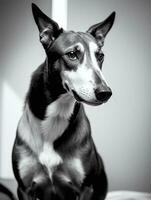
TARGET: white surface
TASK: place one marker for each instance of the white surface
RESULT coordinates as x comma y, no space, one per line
128,195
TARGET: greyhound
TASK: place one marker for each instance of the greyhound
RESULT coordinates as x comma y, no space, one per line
54,156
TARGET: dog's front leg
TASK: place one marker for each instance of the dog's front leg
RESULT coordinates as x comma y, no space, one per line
22,195
86,193
100,186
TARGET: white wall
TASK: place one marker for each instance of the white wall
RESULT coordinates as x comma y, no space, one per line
122,128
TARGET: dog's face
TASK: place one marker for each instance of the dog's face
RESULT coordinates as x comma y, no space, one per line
81,61
77,56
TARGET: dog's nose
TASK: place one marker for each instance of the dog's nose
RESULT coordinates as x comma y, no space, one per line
103,95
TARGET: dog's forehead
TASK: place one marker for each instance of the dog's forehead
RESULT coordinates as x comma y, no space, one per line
87,37
89,41
71,39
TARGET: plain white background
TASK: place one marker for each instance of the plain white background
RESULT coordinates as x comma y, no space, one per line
121,128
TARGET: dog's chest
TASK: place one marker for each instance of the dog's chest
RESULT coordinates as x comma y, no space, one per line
54,125
57,118
40,135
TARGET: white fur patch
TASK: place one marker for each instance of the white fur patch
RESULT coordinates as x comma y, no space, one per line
57,116
39,178
81,81
24,165
40,134
29,130
26,160
49,158
78,45
93,48
64,178
77,166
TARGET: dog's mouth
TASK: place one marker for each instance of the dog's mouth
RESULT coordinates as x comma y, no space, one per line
77,97
80,99
94,102
67,87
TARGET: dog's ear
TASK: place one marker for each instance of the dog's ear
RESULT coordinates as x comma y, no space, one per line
100,30
48,29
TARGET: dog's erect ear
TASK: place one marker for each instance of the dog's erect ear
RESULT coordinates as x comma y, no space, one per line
48,29
100,30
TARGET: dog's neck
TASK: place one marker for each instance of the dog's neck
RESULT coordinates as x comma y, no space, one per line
48,103
57,117
45,88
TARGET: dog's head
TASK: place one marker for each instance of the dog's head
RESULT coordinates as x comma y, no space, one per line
77,56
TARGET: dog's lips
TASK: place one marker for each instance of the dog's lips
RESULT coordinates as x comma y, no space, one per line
79,99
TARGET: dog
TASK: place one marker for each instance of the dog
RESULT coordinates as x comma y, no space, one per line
54,156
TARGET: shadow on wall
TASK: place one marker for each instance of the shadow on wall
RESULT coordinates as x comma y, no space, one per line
20,54
1,80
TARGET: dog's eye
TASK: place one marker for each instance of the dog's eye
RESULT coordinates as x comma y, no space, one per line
72,55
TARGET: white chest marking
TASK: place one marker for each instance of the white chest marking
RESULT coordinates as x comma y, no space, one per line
40,134
77,166
57,116
29,130
49,158
27,164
